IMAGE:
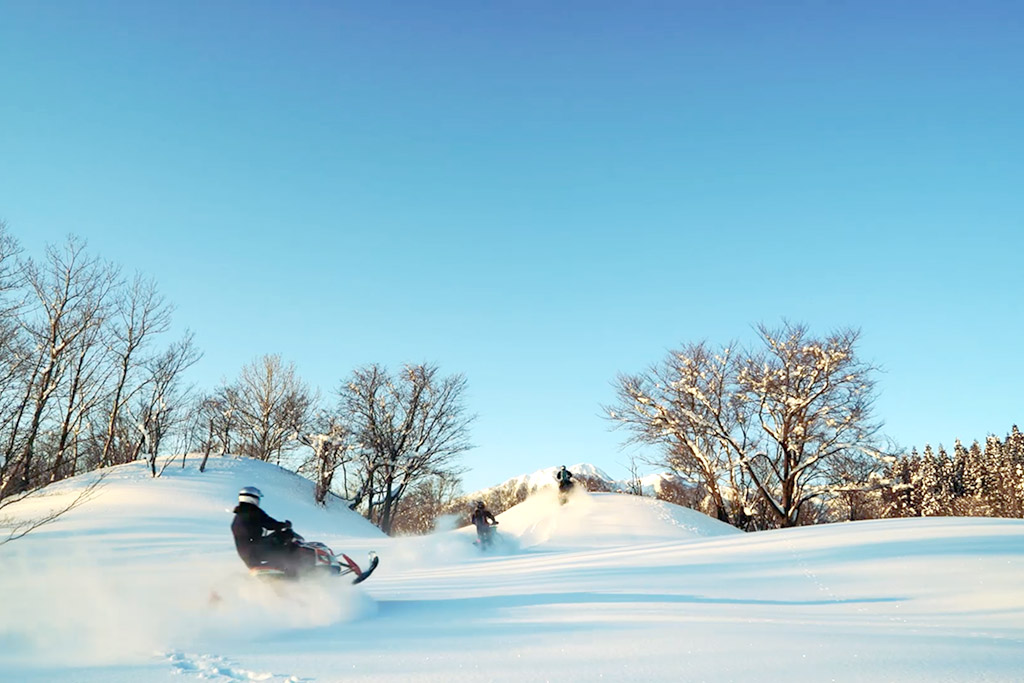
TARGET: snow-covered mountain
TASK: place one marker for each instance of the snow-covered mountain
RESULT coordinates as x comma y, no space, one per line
605,587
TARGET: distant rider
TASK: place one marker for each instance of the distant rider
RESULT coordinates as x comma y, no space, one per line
247,527
564,478
483,520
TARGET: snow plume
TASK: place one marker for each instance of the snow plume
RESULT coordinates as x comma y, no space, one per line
242,607
595,520
75,611
81,612
450,542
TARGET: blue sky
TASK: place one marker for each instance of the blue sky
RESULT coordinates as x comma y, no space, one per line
542,195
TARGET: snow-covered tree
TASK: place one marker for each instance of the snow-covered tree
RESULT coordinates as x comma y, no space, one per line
766,425
973,482
332,446
928,483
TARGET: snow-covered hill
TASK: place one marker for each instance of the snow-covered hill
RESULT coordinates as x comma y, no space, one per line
606,587
545,479
603,520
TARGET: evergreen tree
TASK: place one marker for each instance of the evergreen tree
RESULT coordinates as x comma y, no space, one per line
928,485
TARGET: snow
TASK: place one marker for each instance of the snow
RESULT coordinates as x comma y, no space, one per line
545,478
142,584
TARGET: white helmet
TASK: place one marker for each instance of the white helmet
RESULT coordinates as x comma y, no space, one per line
250,494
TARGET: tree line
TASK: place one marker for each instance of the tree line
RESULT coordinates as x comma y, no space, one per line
974,481
778,433
782,434
89,379
382,436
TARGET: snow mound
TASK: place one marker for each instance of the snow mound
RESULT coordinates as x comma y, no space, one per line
130,498
545,478
79,590
602,520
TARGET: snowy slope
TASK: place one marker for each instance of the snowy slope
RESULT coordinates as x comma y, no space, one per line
545,479
601,520
607,587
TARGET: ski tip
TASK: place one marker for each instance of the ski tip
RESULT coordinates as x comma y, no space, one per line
374,561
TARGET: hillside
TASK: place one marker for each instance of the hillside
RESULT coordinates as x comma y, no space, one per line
545,478
606,587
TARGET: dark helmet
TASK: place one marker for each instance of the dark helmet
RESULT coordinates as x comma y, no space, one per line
479,504
250,494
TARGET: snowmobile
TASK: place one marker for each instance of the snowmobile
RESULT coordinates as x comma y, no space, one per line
564,489
485,536
299,559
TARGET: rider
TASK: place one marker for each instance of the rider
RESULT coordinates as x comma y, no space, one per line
480,518
247,527
564,478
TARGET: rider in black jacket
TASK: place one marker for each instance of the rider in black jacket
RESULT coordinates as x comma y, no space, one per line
247,527
483,520
564,478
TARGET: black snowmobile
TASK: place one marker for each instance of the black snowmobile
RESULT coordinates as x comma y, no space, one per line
485,536
299,559
565,487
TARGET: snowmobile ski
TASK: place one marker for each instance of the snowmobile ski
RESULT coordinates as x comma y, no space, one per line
311,558
361,574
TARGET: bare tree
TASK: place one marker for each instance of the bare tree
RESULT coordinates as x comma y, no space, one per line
161,405
636,485
813,401
16,354
74,365
426,502
69,291
209,425
760,430
411,427
142,314
84,390
270,405
688,406
333,446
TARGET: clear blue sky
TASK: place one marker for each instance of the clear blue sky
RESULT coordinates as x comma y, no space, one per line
541,195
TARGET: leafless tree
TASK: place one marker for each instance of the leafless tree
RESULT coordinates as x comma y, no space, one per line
209,425
83,391
426,502
141,315
16,353
813,401
635,486
270,406
78,383
162,402
688,406
758,430
411,427
69,290
332,445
